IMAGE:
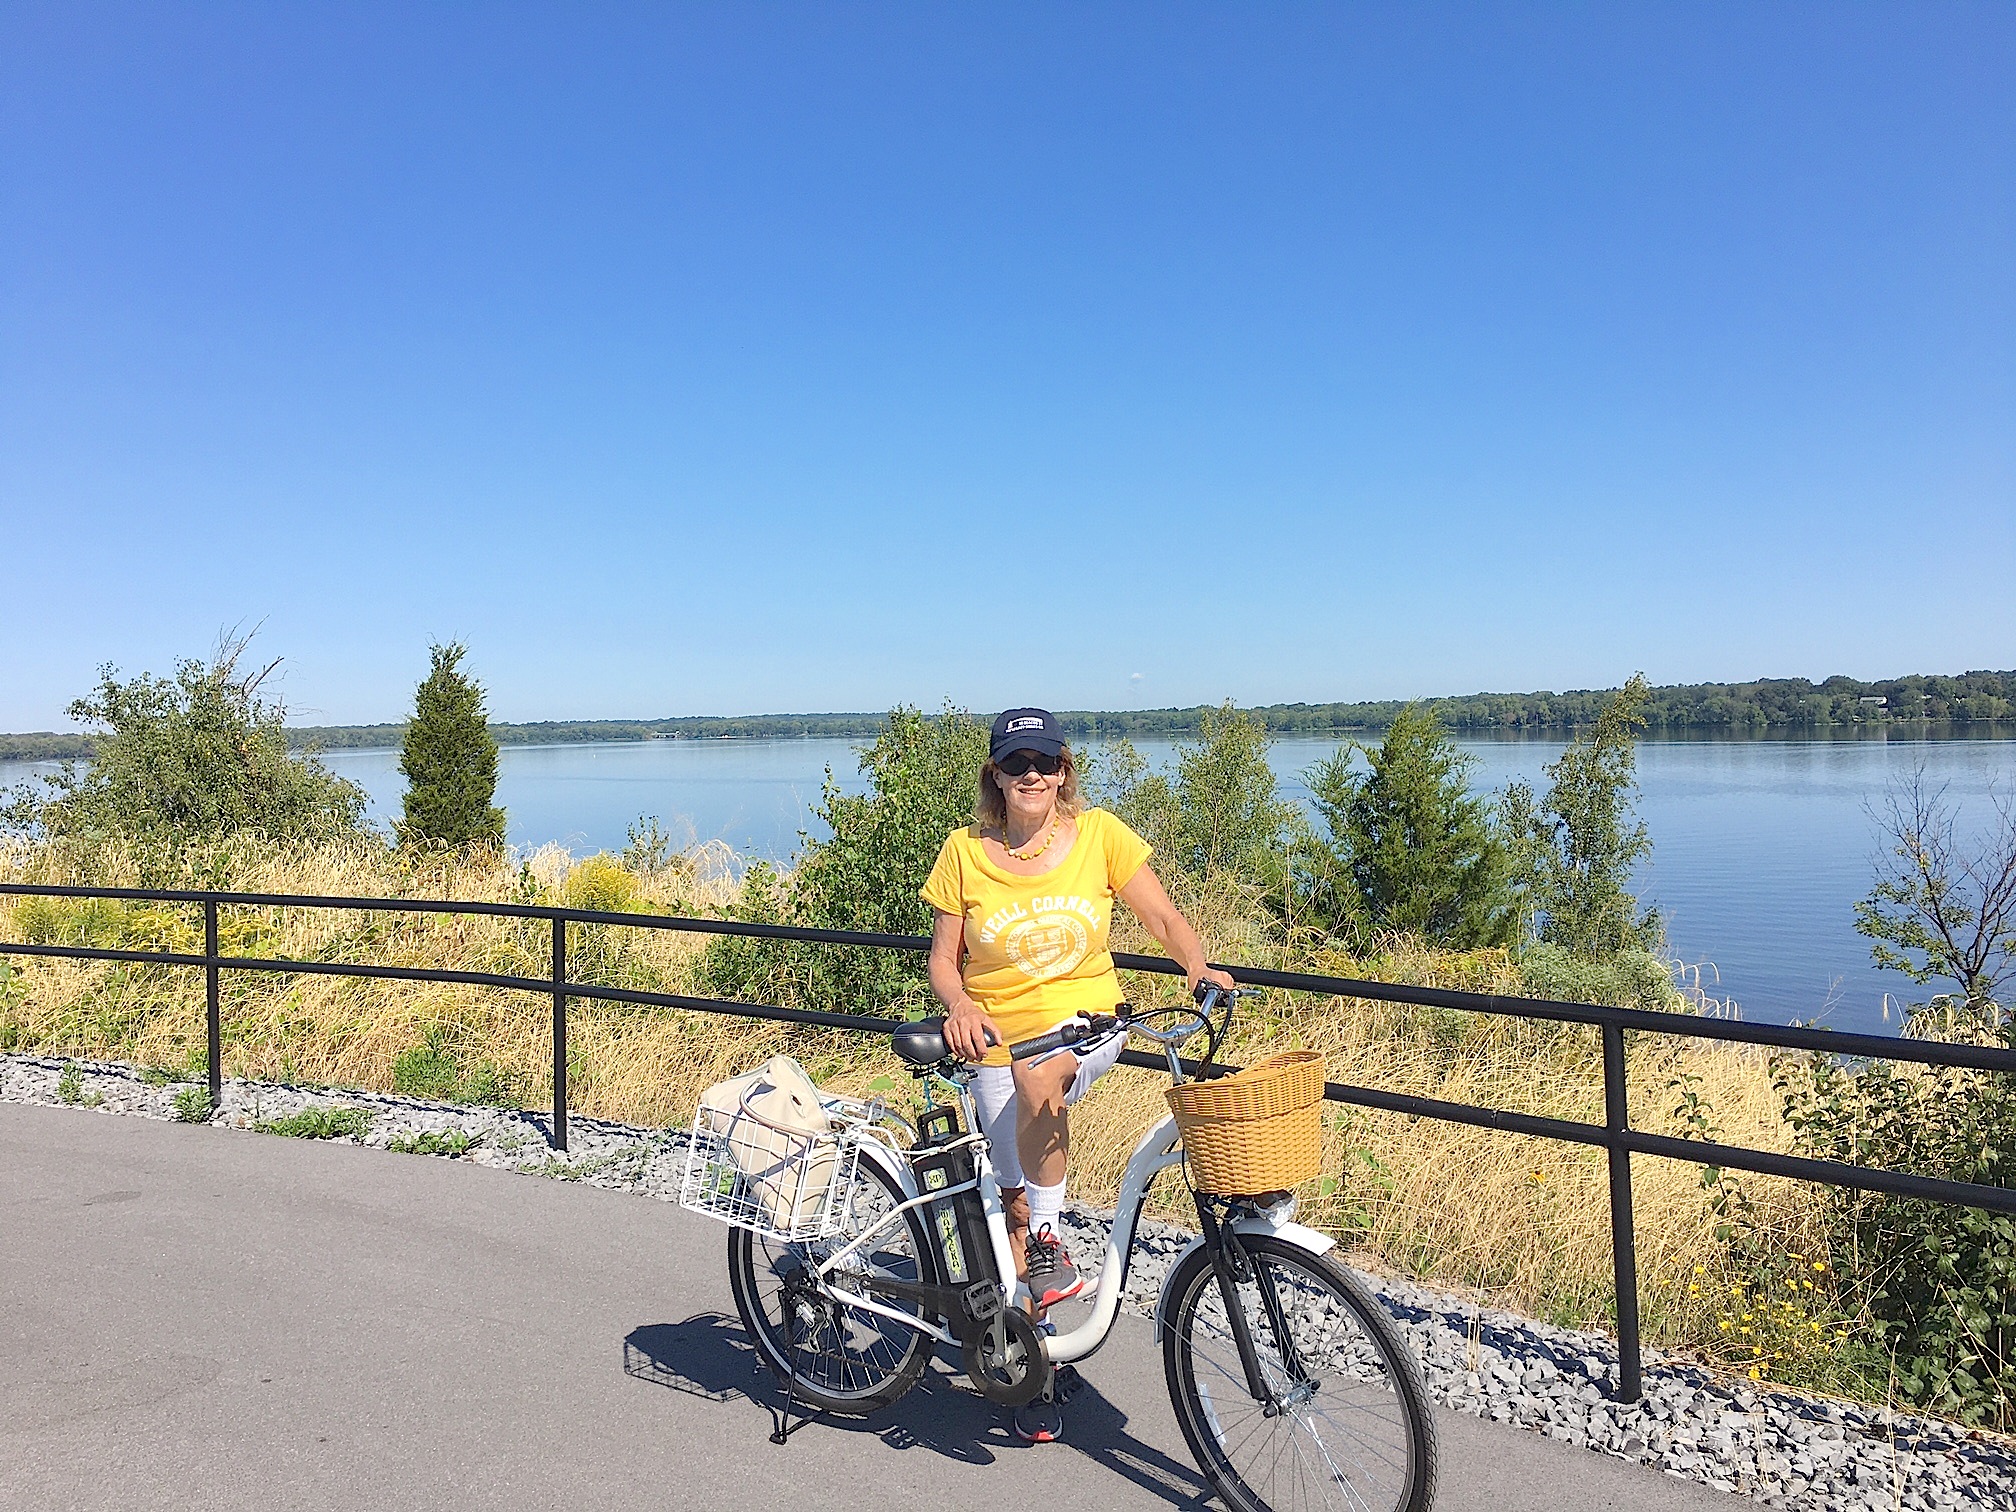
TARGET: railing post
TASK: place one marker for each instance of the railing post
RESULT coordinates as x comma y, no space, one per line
1623,1230
213,1008
560,1034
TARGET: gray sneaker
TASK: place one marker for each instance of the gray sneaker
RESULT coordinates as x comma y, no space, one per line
1052,1277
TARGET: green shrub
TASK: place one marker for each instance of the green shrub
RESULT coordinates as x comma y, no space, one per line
434,1070
319,1123
193,1105
1625,979
451,1143
1939,1281
94,922
429,1070
602,884
197,756
922,783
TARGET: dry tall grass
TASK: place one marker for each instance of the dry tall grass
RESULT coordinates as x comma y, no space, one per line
1521,1222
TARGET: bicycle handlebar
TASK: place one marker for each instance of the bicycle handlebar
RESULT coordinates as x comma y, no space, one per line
1088,1026
1073,1033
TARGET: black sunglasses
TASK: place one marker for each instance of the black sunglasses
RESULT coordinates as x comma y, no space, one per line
1015,763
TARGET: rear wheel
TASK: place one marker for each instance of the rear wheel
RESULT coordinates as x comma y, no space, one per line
831,1354
1351,1430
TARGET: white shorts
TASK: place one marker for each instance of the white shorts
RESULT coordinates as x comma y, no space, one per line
994,1100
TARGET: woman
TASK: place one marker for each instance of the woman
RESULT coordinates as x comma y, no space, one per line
1024,901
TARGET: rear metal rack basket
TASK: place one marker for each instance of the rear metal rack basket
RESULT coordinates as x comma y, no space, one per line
786,1184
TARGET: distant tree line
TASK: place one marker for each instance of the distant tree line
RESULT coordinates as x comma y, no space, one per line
1752,708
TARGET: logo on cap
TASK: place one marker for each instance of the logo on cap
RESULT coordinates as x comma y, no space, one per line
1024,723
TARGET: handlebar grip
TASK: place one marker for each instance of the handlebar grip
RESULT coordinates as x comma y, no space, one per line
1056,1039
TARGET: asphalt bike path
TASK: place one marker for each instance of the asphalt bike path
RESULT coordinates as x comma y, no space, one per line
204,1318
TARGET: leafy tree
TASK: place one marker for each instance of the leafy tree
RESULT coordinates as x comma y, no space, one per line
1409,848
922,784
193,757
1217,820
449,761
1937,912
1574,852
1939,1281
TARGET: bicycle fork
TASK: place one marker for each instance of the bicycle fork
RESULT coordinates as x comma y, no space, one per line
1232,1265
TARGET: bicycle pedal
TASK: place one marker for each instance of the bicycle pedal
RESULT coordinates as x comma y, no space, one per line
1065,1383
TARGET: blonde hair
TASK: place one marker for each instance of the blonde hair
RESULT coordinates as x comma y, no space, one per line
992,809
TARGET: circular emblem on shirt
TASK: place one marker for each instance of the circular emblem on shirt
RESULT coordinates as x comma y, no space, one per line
1048,945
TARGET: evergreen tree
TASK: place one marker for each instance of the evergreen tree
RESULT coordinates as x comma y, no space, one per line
1577,848
1409,848
450,761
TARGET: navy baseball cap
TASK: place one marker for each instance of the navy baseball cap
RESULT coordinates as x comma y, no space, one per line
1026,730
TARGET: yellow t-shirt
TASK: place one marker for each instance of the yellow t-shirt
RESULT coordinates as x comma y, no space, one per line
1036,946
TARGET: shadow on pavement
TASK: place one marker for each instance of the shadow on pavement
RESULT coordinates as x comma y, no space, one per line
707,1356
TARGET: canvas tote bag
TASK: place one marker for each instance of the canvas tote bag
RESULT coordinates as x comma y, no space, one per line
776,1131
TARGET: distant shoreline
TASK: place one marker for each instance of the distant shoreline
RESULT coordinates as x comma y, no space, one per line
1974,701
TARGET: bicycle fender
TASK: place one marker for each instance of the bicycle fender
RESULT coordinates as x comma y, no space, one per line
1298,1234
894,1166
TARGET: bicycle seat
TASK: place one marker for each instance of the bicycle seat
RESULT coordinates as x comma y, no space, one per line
921,1043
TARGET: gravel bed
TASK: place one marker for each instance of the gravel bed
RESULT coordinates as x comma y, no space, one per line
1780,1448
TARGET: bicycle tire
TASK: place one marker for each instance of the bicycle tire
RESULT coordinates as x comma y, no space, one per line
1364,1441
834,1357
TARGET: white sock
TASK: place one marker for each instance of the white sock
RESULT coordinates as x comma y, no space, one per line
1046,1208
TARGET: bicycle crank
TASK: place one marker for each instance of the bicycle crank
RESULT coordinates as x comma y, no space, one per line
1006,1360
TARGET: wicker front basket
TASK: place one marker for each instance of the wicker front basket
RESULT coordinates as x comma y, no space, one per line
1259,1130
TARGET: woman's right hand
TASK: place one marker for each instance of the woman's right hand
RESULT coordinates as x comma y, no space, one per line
969,1033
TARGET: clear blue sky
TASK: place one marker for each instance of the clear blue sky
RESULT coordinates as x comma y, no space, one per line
737,358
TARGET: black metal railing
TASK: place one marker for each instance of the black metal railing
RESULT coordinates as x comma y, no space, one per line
1615,1135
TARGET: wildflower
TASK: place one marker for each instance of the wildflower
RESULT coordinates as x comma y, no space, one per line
1726,1325
1700,1270
1820,1265
1756,1374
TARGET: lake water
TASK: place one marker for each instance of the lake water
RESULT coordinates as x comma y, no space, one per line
1761,847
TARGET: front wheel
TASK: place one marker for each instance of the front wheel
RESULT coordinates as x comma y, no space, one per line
841,1358
1352,1432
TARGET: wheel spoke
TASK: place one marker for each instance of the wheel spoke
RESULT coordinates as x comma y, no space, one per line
1341,1437
829,1348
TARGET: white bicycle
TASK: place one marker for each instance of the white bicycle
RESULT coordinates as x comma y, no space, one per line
1292,1386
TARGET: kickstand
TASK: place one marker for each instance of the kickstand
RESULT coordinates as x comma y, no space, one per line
781,1426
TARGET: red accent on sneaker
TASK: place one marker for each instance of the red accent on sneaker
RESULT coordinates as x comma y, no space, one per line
1052,1277
1039,1423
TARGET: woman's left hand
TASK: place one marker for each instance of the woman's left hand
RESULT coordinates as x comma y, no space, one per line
1212,975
